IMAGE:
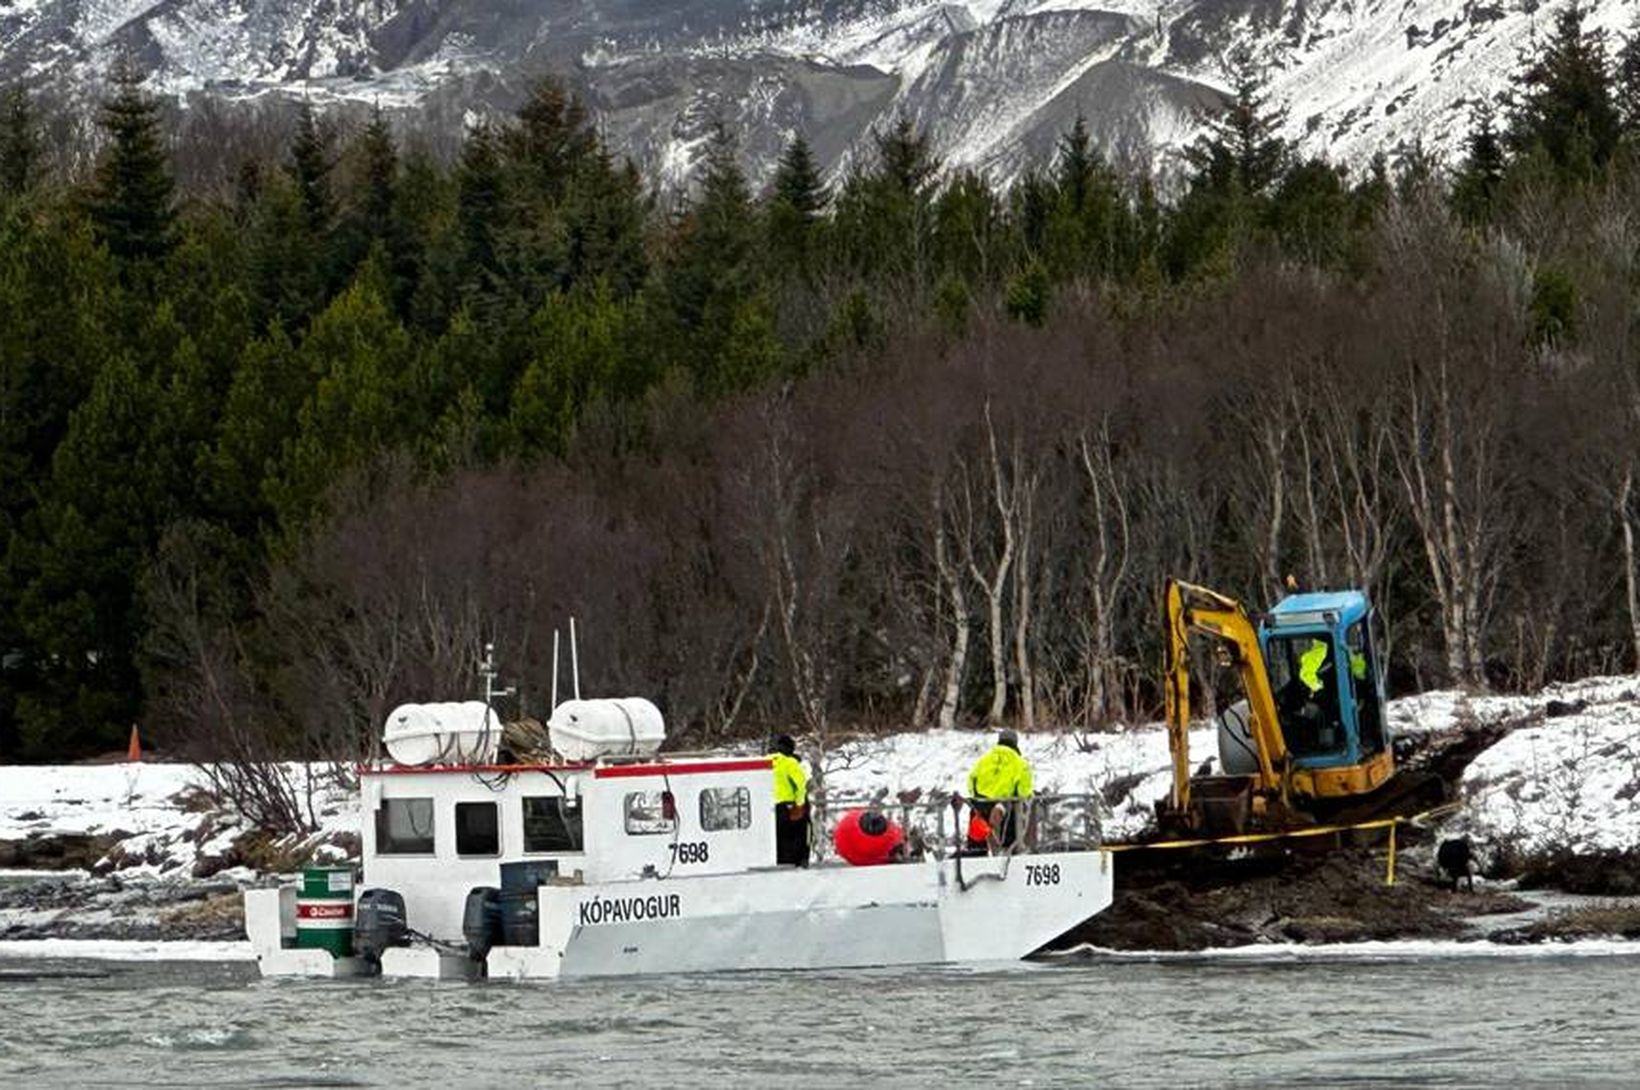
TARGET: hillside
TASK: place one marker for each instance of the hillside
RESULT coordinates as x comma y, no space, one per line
994,81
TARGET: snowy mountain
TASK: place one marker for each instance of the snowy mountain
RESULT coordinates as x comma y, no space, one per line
993,81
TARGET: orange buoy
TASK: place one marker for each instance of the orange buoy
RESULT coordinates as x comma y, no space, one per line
866,838
133,752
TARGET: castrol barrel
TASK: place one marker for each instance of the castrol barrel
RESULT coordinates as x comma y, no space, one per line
324,910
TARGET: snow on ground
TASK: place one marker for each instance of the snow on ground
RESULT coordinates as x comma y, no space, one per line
1569,780
149,807
122,950
90,798
1375,950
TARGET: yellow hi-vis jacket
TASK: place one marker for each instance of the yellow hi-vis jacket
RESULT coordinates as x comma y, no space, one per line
1310,663
1000,774
791,783
1315,657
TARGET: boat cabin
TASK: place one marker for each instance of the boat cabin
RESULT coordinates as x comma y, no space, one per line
434,832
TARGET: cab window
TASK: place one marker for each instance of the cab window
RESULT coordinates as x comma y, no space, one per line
478,829
404,827
1304,678
1369,709
552,823
648,813
725,808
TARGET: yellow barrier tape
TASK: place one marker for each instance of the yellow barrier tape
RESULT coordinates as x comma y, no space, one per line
1314,830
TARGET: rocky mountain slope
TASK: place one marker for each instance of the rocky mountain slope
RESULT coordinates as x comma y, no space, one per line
993,81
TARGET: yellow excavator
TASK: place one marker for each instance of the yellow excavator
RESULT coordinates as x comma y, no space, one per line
1308,742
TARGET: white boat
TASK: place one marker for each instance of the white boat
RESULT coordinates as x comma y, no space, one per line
644,864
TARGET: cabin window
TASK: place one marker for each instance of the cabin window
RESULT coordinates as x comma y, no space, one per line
552,823
725,808
478,829
404,827
647,813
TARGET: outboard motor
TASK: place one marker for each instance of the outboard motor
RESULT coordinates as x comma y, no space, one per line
481,921
379,923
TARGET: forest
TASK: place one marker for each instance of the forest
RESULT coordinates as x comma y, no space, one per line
287,435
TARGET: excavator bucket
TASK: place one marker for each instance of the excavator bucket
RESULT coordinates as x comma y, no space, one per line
1223,805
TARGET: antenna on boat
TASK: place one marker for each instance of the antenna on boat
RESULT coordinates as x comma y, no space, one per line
487,671
554,669
574,659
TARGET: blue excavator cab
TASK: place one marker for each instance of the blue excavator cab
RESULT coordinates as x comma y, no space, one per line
1324,672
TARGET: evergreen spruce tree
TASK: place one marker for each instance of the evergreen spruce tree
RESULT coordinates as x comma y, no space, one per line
1310,212
1475,190
605,227
883,216
1032,200
968,229
479,200
131,199
310,161
19,143
576,346
715,276
550,141
248,186
1564,103
361,405
1080,239
797,200
904,162
287,279
380,176
1075,165
124,469
268,388
1241,152
1235,167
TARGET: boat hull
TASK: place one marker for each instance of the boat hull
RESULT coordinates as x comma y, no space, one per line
981,909
823,918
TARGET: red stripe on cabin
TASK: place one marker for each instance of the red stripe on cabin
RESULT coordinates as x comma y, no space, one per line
744,764
414,770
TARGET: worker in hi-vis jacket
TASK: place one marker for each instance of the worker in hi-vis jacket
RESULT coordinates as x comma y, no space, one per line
1001,776
791,804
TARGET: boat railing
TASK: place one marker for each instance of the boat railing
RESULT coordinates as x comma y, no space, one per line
1049,822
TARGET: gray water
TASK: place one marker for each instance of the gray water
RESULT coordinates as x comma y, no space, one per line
1548,1021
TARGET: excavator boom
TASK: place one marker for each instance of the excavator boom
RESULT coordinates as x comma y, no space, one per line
1190,609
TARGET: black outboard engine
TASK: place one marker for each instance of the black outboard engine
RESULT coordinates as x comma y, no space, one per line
379,923
481,921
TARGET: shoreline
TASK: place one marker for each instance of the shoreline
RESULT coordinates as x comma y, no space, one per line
1481,946
146,852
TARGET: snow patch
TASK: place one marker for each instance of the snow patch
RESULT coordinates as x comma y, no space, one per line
124,950
1396,950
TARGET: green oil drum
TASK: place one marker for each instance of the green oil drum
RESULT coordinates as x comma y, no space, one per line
324,910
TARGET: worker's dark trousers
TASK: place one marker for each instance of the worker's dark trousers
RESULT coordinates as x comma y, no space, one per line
791,836
1010,815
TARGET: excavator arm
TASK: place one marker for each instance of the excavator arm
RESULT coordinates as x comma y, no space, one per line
1190,609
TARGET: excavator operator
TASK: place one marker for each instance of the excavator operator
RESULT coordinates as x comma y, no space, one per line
1311,699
